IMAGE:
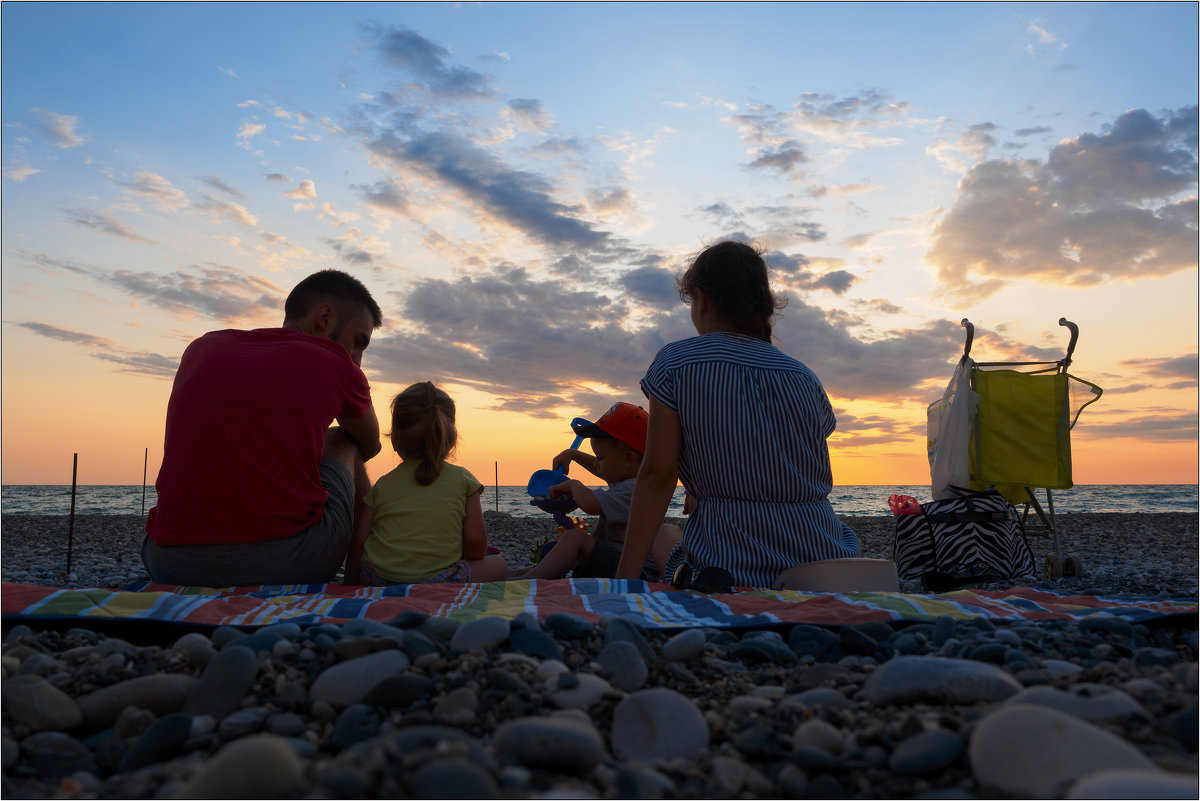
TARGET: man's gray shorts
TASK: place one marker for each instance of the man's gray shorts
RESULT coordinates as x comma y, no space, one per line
311,557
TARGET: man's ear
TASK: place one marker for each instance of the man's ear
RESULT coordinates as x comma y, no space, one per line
324,319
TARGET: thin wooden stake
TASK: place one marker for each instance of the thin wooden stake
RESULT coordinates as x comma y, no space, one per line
145,464
71,525
497,486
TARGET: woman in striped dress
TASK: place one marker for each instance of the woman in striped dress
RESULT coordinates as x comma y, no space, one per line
743,426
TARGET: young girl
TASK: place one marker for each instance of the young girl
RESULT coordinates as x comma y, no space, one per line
423,521
744,426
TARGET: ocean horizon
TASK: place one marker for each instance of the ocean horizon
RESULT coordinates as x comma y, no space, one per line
852,500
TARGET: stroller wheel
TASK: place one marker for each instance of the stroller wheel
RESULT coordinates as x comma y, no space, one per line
1073,566
1054,566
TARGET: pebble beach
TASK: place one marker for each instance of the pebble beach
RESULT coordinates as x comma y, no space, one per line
567,708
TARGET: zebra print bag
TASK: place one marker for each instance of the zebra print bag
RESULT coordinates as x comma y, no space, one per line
973,538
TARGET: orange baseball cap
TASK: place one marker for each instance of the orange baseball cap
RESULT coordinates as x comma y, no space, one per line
624,422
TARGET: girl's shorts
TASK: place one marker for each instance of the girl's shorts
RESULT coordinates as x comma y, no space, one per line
459,573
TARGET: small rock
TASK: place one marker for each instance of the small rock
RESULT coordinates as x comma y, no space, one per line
460,707
54,754
683,646
1118,784
816,698
1036,752
160,742
480,634
161,693
936,679
535,642
1092,702
358,722
658,724
223,684
567,626
259,766
558,743
38,705
349,682
243,722
926,752
587,690
454,778
624,664
816,733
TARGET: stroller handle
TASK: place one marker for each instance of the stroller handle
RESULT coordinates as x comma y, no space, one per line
965,323
1074,329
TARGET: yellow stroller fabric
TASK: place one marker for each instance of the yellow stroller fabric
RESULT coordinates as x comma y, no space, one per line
1022,435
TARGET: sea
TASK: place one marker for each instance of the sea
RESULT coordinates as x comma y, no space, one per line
848,500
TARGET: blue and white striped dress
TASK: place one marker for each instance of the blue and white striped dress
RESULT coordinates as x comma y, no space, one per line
754,457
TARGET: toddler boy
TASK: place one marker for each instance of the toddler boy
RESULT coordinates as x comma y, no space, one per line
618,441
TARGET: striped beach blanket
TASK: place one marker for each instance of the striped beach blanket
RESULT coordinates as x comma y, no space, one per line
646,604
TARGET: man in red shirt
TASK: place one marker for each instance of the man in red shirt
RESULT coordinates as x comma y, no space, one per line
255,486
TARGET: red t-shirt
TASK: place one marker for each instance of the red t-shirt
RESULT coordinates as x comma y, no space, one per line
245,431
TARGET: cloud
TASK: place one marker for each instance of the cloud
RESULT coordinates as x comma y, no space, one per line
387,196
540,344
771,147
306,189
519,198
226,210
528,114
228,72
137,362
957,154
155,188
277,177
249,130
58,129
1044,37
1041,129
426,61
216,183
19,172
221,293
1153,425
102,222
1181,371
1117,204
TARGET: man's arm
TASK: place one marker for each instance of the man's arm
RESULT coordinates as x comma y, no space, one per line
362,530
364,431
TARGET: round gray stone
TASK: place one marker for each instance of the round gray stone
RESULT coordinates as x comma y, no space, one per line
349,682
1027,751
38,704
658,724
1093,702
926,752
684,645
907,679
480,634
258,766
1135,784
559,743
625,665
223,684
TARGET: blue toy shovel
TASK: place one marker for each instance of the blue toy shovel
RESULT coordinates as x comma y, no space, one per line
542,480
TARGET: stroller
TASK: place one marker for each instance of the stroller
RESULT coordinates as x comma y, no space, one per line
1008,425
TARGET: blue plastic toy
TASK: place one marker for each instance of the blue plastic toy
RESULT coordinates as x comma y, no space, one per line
542,480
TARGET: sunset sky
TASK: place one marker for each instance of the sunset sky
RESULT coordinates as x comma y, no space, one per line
518,183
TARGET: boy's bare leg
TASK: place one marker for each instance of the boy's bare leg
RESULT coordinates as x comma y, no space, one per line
666,539
571,549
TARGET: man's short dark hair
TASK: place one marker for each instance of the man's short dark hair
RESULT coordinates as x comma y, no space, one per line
344,291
